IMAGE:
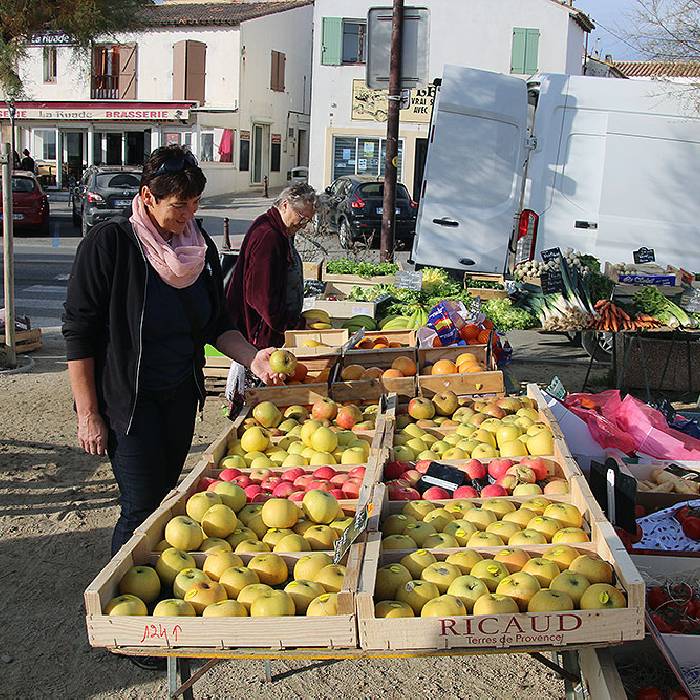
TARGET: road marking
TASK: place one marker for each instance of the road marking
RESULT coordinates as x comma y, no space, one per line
37,304
44,289
62,278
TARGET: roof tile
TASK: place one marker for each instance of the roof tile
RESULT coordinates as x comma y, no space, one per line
658,69
215,14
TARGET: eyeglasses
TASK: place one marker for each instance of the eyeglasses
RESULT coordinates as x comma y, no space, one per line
178,163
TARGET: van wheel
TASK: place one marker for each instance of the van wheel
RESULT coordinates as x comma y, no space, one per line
599,346
345,235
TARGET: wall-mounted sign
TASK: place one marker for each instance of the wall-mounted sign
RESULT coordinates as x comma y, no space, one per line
373,105
276,138
96,114
52,39
245,136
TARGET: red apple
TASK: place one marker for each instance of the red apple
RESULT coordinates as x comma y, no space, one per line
401,494
358,472
466,492
325,473
538,465
347,417
423,465
498,467
303,480
283,489
475,469
229,474
243,481
493,490
340,479
412,476
338,493
252,490
395,469
351,489
297,496
207,484
319,485
271,482
293,473
435,493
261,497
524,475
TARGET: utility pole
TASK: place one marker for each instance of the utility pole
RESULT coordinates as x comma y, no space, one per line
392,135
8,255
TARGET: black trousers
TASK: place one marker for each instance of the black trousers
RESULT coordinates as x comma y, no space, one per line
148,461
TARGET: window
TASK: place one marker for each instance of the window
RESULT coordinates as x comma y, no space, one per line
361,156
376,189
50,53
275,152
525,51
244,162
354,32
121,180
189,70
45,143
206,146
23,184
278,61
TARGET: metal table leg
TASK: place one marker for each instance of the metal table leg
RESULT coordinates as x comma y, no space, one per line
173,685
184,677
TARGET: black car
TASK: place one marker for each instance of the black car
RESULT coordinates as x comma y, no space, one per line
104,191
352,206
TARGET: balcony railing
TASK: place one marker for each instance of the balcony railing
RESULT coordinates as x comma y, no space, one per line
105,87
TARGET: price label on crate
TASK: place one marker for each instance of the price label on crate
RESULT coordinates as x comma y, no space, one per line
551,282
352,532
691,301
354,339
409,279
643,255
551,254
556,389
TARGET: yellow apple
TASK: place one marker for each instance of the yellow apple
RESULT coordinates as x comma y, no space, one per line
468,589
302,593
500,506
416,594
513,448
440,541
416,561
255,440
594,569
236,578
356,455
186,579
480,518
396,524
521,517
419,532
292,543
331,577
443,606
251,593
538,504
231,495
544,570
398,542
545,526
225,608
252,547
506,433
503,529
216,564
321,537
257,525
484,451
541,444
526,537
442,574
392,609
233,461
272,603
323,440
171,562
556,487
308,566
599,596
219,521
388,580
520,586
204,593
174,607
418,509
280,513
142,582
490,572
485,539
125,606
270,568
298,413
527,490
320,507
562,555
161,546
461,530
211,543
550,601
566,513
570,535
325,605
275,535
514,559
200,503
248,512
574,585
184,533
494,604
438,518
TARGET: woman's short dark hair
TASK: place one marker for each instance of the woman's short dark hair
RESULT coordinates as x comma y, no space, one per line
173,171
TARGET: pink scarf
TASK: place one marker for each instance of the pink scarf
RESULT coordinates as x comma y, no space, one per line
178,262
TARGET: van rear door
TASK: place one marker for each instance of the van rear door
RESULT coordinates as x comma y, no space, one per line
473,175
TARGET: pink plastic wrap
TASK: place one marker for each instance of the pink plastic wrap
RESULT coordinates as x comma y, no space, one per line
631,426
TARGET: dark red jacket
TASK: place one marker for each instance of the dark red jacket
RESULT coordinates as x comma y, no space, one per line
256,296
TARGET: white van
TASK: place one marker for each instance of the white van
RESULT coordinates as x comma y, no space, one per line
599,165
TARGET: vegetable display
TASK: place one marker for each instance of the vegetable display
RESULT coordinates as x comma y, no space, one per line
506,316
345,266
653,302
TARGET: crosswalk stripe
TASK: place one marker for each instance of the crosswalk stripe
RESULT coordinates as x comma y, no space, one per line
45,289
37,304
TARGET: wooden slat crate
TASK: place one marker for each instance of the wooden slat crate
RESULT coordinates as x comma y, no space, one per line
312,270
350,281
407,339
333,338
25,341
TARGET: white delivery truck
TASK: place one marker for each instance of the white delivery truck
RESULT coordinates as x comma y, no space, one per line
599,165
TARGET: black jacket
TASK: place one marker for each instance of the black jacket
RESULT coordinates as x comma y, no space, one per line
104,312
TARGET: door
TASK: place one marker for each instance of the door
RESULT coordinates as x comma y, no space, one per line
261,153
419,167
473,173
134,148
113,148
73,154
303,153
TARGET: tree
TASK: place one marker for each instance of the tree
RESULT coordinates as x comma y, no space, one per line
667,30
82,19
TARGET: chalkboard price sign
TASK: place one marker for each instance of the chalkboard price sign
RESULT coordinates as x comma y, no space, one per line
409,279
551,282
644,255
550,254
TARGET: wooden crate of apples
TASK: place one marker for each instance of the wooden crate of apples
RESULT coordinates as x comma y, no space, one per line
372,373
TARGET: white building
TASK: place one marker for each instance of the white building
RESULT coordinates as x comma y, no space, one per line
231,80
348,121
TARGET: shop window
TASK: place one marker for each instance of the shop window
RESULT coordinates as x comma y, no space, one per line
344,154
244,156
50,64
278,63
45,143
361,156
187,140
206,146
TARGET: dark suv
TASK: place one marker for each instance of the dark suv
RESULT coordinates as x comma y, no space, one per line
103,192
352,206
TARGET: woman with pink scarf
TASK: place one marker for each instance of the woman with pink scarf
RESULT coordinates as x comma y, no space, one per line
145,295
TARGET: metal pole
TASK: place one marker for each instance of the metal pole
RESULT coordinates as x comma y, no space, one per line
392,135
8,255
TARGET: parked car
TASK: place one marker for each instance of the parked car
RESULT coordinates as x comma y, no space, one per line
103,192
352,206
299,174
30,204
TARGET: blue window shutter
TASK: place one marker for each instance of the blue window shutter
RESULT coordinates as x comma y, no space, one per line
532,46
332,41
517,58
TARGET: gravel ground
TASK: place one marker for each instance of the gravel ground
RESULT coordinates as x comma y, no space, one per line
57,508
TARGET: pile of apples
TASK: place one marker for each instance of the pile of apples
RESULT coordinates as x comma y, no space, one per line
225,587
529,476
492,522
402,366
499,427
469,583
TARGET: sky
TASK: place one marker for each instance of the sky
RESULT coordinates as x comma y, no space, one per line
612,20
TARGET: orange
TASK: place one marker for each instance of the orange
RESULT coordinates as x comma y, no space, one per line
405,365
468,368
464,358
381,339
488,323
392,373
380,346
352,372
394,344
444,367
469,331
474,341
365,344
437,343
484,336
372,373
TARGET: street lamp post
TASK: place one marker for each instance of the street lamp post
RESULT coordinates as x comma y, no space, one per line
12,111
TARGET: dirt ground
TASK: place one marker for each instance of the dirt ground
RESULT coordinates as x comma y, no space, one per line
57,508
